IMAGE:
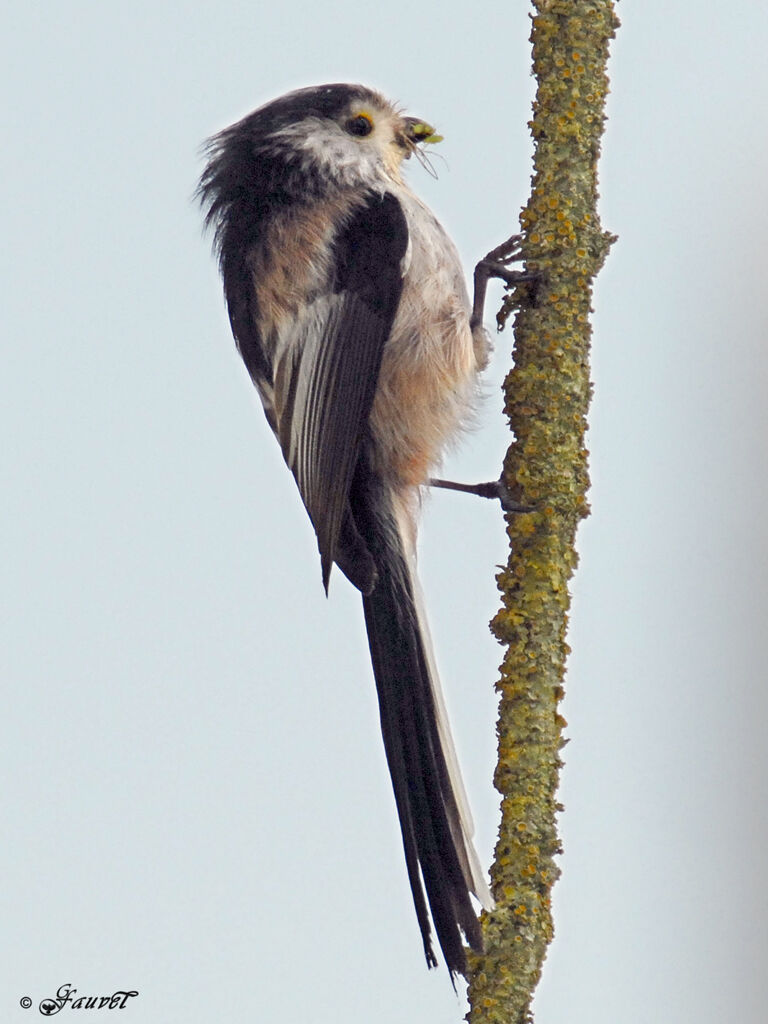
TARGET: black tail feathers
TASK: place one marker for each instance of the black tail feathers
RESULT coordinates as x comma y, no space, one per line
437,849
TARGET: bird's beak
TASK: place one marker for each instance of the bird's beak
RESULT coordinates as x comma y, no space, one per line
417,131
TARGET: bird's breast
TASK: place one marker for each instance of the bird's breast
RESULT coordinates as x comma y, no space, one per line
427,382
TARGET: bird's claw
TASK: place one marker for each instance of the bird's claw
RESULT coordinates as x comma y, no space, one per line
508,252
489,489
496,264
508,503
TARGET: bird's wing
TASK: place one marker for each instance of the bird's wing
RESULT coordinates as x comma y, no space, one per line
328,364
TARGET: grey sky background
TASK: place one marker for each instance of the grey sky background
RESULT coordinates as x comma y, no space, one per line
194,799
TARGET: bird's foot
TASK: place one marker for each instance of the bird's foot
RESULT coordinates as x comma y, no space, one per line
497,264
490,489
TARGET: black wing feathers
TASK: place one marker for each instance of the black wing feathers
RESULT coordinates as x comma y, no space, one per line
322,367
335,354
239,194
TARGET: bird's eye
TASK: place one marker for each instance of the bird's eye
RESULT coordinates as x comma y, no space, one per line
361,125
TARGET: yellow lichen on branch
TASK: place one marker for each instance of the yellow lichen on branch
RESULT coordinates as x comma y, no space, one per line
547,398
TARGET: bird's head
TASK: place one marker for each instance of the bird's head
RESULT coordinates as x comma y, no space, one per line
340,135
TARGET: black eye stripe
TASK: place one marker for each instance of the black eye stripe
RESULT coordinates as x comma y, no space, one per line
360,125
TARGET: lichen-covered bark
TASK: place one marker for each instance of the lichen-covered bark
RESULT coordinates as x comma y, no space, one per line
547,398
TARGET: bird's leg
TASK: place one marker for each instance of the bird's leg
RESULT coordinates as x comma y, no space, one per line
495,264
491,489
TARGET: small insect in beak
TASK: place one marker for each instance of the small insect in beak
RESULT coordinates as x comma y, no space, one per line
417,131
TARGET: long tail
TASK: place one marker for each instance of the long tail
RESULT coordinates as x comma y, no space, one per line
430,798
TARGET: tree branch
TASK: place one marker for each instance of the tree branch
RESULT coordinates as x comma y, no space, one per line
547,397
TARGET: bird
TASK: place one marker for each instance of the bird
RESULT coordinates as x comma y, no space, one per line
349,307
